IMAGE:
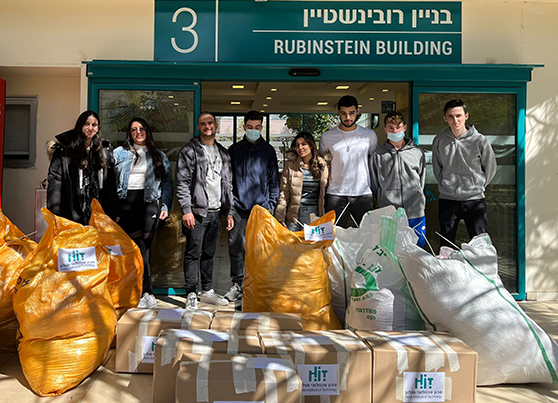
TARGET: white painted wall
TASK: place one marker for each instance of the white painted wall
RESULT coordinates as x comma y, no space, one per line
67,32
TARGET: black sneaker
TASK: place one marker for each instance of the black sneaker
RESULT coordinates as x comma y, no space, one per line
235,293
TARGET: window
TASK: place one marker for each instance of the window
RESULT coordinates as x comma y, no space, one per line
20,132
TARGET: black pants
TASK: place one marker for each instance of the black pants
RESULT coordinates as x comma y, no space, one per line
472,212
358,206
139,220
237,243
201,244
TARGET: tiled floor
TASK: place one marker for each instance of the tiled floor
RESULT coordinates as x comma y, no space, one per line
104,385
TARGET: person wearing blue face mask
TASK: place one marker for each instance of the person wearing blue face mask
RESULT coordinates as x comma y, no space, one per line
255,181
398,174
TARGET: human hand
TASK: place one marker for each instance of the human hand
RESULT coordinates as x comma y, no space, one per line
230,222
188,220
164,214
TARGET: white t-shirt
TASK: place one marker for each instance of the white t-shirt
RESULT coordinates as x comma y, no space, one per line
349,174
138,170
213,178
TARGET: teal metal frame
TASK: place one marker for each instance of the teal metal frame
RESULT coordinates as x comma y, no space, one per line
442,78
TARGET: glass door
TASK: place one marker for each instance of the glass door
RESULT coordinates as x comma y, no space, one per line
499,115
171,111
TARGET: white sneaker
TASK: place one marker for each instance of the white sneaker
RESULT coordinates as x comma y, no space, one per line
234,293
211,298
192,301
147,301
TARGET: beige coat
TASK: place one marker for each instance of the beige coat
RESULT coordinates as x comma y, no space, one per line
290,191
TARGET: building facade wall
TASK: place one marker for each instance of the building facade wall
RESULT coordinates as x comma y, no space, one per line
63,33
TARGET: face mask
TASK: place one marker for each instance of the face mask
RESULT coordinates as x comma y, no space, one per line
253,135
396,136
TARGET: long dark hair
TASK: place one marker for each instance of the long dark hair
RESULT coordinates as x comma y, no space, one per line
158,165
316,167
77,149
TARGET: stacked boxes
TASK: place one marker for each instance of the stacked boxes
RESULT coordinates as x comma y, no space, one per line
138,330
333,365
174,346
421,367
256,321
239,378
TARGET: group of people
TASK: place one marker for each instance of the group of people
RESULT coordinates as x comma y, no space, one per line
345,173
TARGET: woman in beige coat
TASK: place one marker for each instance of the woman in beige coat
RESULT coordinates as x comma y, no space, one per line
303,184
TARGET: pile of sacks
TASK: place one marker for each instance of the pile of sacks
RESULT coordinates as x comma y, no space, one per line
381,280
67,293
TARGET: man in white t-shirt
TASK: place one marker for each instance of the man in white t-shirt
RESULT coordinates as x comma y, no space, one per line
350,146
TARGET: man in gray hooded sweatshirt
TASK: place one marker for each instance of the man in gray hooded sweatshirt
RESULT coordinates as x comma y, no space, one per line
464,164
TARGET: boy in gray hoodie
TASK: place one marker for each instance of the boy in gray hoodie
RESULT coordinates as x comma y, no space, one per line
398,173
464,164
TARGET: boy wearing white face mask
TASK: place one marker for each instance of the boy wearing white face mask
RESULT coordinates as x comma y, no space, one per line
398,173
255,181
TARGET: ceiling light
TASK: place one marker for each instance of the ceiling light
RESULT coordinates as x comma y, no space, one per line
371,98
342,87
385,90
273,89
238,87
267,97
321,103
262,110
360,106
235,102
265,105
171,96
176,104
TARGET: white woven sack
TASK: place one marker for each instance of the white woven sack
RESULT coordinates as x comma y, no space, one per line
343,254
379,294
462,293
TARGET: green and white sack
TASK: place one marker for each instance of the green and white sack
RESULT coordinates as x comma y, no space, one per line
379,295
348,242
461,292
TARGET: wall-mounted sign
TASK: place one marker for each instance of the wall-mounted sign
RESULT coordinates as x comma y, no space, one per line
328,32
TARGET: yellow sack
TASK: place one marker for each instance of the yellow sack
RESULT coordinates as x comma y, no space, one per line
285,273
15,246
126,264
65,313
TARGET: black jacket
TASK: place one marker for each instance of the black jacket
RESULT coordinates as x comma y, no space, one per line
63,182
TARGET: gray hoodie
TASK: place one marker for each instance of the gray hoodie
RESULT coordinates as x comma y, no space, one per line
463,166
397,177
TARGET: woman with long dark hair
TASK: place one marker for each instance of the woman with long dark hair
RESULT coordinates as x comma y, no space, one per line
303,183
144,184
81,169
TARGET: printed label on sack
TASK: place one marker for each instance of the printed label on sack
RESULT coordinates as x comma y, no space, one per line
424,386
114,250
319,379
78,259
171,314
322,232
149,343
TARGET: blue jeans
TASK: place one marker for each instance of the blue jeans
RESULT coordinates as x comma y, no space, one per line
237,241
201,244
303,216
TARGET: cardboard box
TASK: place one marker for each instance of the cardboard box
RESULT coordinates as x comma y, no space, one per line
256,321
239,378
138,330
194,345
333,365
421,367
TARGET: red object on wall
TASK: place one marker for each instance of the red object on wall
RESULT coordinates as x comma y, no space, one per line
2,120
